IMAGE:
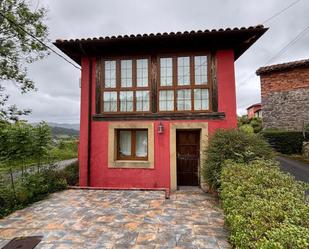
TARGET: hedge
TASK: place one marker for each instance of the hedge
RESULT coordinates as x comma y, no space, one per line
264,207
235,145
286,142
32,187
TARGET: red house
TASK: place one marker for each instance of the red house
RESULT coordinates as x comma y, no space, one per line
149,104
254,111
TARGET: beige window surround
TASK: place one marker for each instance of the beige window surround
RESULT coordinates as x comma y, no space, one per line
112,146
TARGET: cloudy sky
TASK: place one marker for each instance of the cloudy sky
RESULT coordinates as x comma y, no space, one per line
57,98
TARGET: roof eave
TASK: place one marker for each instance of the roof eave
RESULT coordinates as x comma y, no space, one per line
237,39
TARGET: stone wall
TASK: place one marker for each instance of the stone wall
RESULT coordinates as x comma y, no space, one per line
286,109
284,80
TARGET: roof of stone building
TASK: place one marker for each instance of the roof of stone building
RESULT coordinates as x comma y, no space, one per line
238,39
283,66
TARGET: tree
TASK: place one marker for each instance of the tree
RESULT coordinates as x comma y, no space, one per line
18,48
42,140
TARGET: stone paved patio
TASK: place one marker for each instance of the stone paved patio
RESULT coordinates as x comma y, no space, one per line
120,219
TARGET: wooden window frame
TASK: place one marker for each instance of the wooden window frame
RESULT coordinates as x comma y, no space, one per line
118,87
133,156
192,84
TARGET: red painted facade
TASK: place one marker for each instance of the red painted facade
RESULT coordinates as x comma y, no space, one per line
254,110
101,175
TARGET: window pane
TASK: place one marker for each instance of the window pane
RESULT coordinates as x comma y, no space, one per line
142,101
183,100
110,74
166,100
125,143
126,73
183,71
126,101
166,71
110,101
141,143
142,72
201,99
200,70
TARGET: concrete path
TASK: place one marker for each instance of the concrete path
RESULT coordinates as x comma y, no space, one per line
298,169
120,219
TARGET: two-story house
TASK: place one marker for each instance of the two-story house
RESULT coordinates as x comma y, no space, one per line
149,104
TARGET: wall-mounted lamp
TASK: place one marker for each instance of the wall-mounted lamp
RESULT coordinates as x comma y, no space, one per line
160,128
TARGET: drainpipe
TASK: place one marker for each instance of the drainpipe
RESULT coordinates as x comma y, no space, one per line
89,114
89,124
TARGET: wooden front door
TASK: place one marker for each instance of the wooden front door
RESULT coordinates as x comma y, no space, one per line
188,157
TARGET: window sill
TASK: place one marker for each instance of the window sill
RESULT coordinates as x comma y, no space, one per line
162,116
131,164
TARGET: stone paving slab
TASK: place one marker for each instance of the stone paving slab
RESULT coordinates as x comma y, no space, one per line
120,219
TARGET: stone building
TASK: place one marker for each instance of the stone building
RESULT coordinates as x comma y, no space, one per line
285,95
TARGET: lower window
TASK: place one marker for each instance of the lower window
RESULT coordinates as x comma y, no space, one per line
132,144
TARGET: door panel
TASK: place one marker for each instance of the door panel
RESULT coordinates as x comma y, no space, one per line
188,153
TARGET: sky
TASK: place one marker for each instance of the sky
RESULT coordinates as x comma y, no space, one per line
58,95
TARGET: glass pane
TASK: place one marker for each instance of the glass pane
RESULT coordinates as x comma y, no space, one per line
166,100
126,73
126,101
166,71
142,72
110,74
183,71
200,70
201,99
141,143
183,100
110,101
125,143
142,101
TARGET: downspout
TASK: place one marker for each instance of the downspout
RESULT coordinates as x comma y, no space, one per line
89,116
89,125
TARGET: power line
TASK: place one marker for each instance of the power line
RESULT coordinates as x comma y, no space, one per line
267,20
281,51
281,11
35,38
291,43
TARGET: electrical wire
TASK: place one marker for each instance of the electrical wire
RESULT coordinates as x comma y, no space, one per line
281,51
281,11
38,40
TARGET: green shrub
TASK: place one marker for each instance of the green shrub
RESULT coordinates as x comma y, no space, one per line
286,142
34,187
255,123
264,207
246,128
71,174
235,145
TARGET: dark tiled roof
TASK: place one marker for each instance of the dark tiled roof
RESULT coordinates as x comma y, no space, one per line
282,66
165,34
238,39
258,104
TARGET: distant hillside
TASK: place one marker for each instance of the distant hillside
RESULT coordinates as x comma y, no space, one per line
60,131
65,125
